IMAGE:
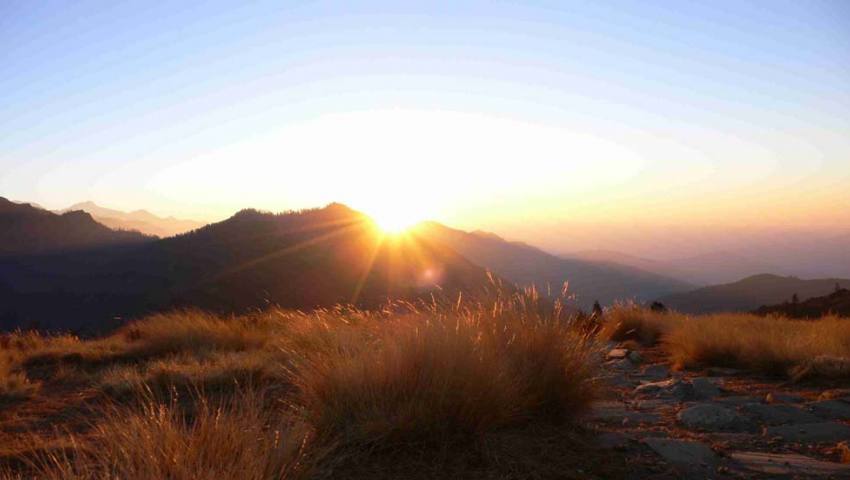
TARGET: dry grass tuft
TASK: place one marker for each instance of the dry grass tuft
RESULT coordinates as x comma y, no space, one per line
424,377
236,439
629,321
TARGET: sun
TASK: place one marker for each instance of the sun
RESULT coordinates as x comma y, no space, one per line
395,221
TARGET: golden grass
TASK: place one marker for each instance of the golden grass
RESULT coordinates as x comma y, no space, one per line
765,344
423,378
771,345
173,392
236,439
629,321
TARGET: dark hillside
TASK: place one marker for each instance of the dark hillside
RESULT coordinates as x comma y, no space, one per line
307,259
836,303
750,293
25,229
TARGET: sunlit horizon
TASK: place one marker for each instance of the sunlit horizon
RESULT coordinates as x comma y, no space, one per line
538,122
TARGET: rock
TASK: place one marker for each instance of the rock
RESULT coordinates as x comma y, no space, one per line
672,388
789,464
623,365
722,372
657,371
613,441
843,451
810,432
635,357
704,389
617,353
736,400
685,454
778,414
831,409
713,418
651,404
616,412
779,397
649,388
840,393
618,380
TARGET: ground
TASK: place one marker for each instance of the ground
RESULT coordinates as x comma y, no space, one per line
719,423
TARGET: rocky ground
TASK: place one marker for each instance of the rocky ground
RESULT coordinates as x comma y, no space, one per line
720,423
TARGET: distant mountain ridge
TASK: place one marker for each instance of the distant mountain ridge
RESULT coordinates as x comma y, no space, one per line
836,303
28,230
138,220
750,293
527,265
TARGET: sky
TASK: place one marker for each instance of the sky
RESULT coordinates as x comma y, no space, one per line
514,118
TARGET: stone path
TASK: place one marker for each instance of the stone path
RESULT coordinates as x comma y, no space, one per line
720,423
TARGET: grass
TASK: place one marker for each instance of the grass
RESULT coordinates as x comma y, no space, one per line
771,345
332,393
775,346
239,438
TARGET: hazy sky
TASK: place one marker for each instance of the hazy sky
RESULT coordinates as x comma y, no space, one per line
514,118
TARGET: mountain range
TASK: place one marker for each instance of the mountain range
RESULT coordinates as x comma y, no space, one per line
139,220
306,259
69,271
588,280
750,293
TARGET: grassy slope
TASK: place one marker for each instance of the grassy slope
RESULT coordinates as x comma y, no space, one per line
477,390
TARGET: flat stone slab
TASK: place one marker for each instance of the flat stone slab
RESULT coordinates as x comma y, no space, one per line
618,379
656,372
685,454
613,441
831,409
713,418
671,388
735,400
722,372
810,432
778,414
789,464
780,397
616,412
617,353
705,388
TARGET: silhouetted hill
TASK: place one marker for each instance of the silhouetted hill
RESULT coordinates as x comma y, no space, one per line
138,220
749,293
527,265
25,229
312,258
837,302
